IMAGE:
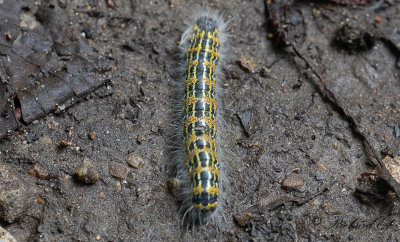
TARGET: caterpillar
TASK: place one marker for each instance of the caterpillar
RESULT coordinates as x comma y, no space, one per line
199,166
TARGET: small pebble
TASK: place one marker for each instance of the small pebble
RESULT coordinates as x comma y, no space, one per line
392,165
87,173
173,186
135,161
38,172
292,181
117,170
265,72
247,64
63,143
110,4
242,219
321,166
296,170
118,185
9,36
92,135
316,13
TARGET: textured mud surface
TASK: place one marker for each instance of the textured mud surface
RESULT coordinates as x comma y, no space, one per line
295,167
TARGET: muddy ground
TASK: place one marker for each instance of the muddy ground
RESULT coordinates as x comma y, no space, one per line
295,168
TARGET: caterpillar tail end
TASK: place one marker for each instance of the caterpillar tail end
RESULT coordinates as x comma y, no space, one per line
192,215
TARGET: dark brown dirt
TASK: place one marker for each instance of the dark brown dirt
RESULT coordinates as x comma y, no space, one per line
277,124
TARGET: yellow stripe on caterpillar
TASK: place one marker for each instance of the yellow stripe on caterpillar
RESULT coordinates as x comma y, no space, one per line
208,207
193,80
199,169
192,100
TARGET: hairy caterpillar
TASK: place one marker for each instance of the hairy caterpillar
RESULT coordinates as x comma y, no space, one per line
199,163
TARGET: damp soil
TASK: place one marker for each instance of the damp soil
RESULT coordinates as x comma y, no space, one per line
295,166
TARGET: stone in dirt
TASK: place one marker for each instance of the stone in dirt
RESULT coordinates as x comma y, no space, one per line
117,170
6,236
292,181
87,173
